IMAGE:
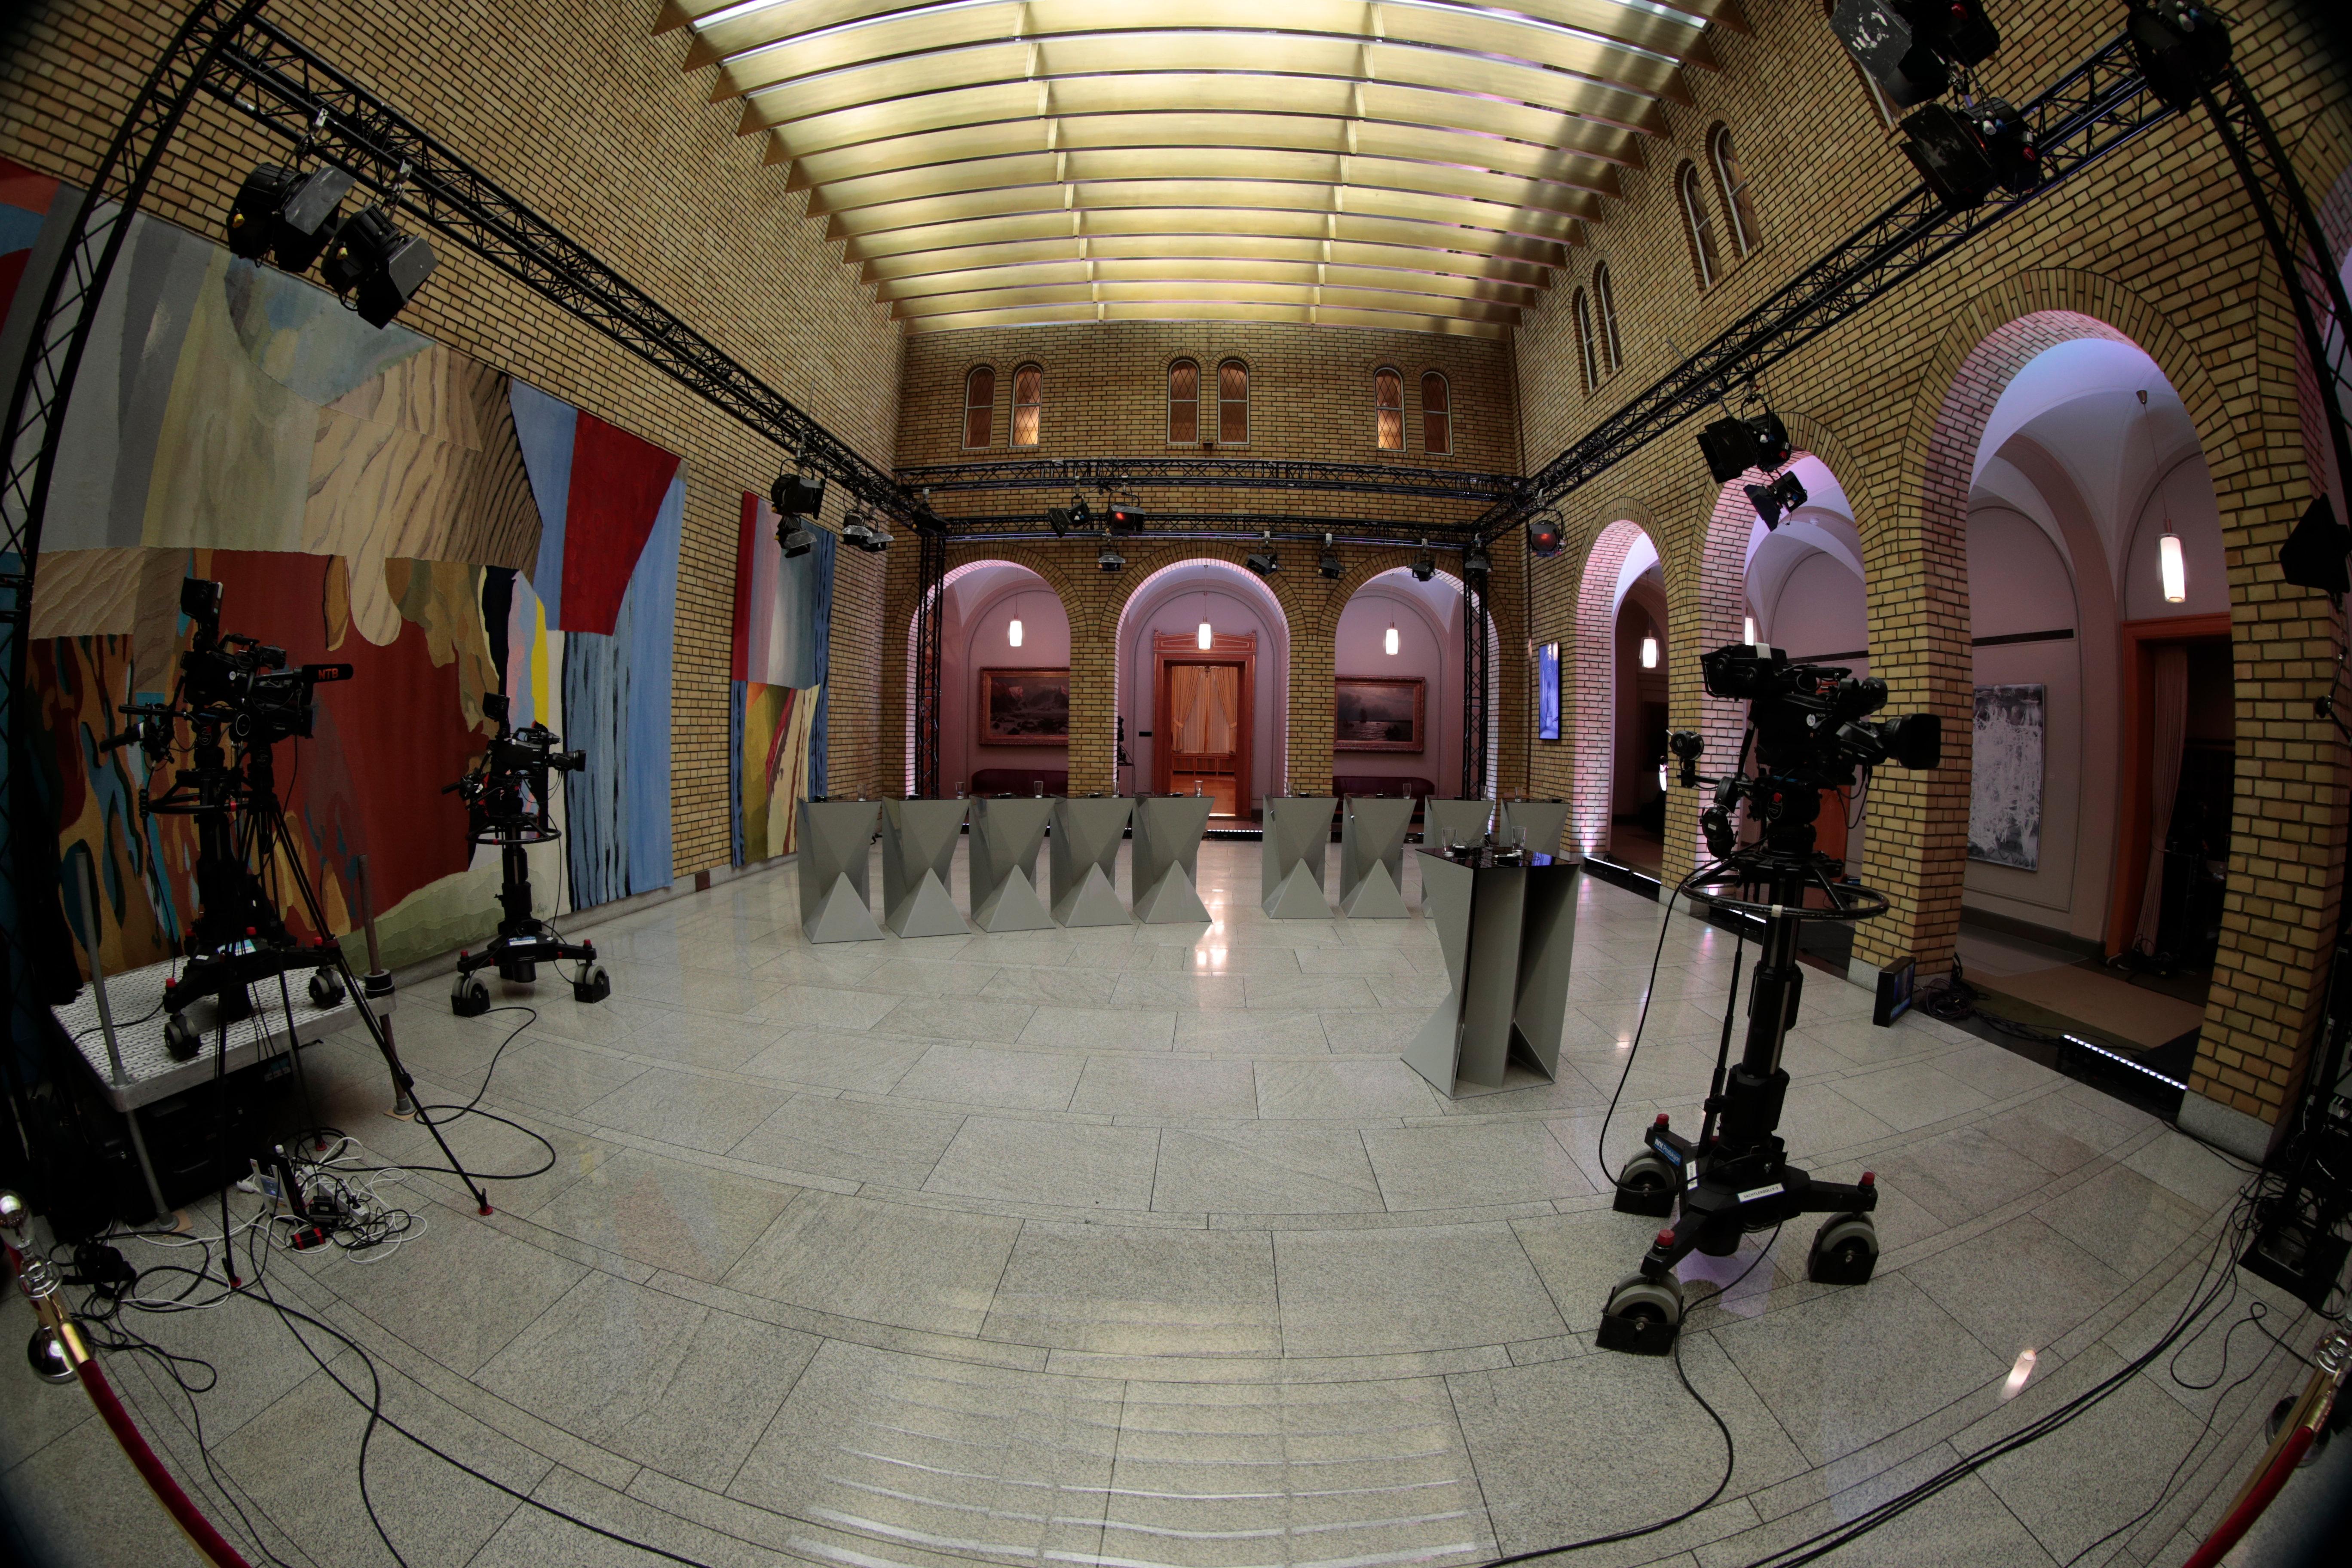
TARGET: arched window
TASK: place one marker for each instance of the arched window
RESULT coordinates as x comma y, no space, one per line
1436,415
1233,404
1878,101
1388,409
1738,208
1585,350
1184,402
1698,225
979,405
1028,403
1604,304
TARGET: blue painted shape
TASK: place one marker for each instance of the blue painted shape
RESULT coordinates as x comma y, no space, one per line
737,695
545,427
596,710
820,620
650,606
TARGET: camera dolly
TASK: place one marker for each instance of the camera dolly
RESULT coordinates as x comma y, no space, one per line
507,805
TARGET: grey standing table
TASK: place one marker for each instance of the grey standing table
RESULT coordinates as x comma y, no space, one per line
148,1071
1298,837
1508,933
1083,859
918,846
1545,821
1465,820
1167,865
836,839
1006,833
1372,857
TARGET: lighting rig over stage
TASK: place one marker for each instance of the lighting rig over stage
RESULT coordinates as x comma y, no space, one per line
794,497
1263,560
294,218
1546,535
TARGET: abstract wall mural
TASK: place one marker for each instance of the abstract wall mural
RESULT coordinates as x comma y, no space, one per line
365,496
783,614
2005,788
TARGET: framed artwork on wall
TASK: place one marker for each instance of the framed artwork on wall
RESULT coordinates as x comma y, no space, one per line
1024,706
1374,714
2005,787
1548,692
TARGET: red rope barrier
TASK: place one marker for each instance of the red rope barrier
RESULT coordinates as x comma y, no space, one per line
160,1480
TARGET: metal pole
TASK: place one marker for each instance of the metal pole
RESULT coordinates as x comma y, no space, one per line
93,938
375,987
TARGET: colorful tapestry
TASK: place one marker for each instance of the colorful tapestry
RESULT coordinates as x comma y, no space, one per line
784,612
368,497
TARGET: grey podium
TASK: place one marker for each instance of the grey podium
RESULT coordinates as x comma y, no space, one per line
1298,836
1006,835
1507,925
835,836
1545,821
1084,860
918,846
1167,865
1372,857
1465,820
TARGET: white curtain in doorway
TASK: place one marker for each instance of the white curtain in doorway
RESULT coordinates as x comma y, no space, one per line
1206,697
2169,725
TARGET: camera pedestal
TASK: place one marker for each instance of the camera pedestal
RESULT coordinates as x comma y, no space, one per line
524,943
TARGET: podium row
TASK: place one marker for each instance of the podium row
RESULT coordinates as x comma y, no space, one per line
919,843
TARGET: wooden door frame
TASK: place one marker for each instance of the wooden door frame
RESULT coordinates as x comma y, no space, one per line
2128,883
1169,648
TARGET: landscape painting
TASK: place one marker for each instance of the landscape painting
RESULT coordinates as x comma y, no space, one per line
1379,713
1024,706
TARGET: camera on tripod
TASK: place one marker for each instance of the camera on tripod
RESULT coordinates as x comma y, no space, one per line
510,791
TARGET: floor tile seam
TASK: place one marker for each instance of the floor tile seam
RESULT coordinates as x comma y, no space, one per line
685,1154
1732,1367
2196,1249
210,1474
631,1493
2223,1455
1961,1232
869,1333
1280,1371
2221,1473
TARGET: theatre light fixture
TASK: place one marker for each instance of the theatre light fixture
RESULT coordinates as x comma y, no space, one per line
1777,499
1546,535
1329,565
374,266
1732,447
1263,559
287,215
797,495
861,533
797,538
1475,565
1107,557
1424,565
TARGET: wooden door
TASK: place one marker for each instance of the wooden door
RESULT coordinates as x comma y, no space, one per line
1203,718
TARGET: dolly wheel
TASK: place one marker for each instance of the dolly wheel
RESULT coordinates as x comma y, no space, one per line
326,988
1643,1315
180,1038
469,998
1646,1185
594,985
1844,1252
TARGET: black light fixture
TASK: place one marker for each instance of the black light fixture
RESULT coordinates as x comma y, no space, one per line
1910,47
1263,559
1475,565
286,214
1967,153
1732,447
1081,514
1424,565
862,533
797,495
1546,535
1107,557
1330,565
377,266
1776,500
1126,517
797,538
2314,554
1057,518
2182,47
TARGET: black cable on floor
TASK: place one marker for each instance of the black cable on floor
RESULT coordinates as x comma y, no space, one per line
1600,1148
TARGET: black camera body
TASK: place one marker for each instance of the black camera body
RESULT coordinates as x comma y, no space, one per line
507,797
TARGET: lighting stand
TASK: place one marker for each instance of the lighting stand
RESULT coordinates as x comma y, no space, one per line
1735,1178
507,809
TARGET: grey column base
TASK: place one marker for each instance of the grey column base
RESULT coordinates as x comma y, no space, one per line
1297,897
1467,818
1375,897
1013,906
1509,934
1371,838
918,846
930,911
1165,868
1172,901
2248,1137
1084,860
1297,840
841,916
1006,835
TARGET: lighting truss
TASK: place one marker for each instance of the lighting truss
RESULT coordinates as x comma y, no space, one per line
1211,473
930,618
2099,106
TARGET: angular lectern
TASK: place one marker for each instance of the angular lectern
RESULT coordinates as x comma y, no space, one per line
1298,836
1006,833
836,839
918,846
1465,820
1084,860
1167,863
1371,857
1507,928
1545,821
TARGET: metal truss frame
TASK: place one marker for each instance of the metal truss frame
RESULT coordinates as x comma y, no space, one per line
930,621
1473,684
1113,475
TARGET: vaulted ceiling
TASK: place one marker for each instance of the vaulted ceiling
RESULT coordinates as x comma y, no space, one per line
1422,164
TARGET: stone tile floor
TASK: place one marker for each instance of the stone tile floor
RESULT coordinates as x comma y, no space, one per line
1140,1246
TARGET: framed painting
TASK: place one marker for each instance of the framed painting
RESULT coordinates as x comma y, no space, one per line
1024,706
1374,714
2005,783
1548,692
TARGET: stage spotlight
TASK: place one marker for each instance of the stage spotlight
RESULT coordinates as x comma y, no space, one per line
798,539
375,266
1057,518
1774,501
1546,535
2312,555
1081,514
287,214
1263,559
1424,565
1126,518
1475,565
1909,46
797,495
1330,565
2182,47
1107,557
1732,447
861,533
1965,155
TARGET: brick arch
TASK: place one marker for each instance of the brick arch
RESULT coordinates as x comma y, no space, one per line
1594,725
1160,562
1046,572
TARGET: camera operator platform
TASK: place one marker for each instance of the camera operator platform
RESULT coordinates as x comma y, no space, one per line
506,803
1809,730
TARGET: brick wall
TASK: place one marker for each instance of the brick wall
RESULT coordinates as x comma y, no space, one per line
571,107
2156,245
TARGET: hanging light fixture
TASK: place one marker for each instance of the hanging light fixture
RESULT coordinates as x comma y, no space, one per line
1389,643
1649,650
1012,631
1205,638
1747,631
2175,569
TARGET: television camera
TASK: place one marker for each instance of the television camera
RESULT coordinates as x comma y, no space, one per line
239,697
508,798
1810,730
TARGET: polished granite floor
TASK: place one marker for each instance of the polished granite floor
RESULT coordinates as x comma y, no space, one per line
1140,1246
